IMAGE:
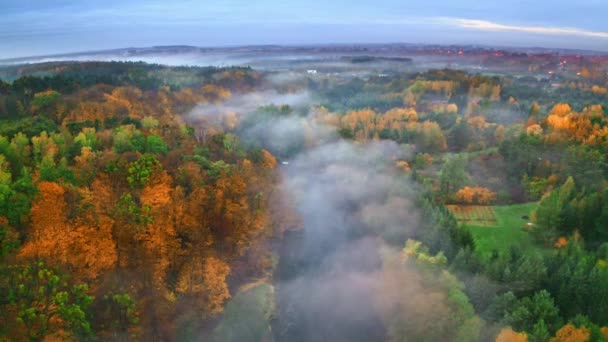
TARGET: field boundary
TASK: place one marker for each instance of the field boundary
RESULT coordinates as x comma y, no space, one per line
479,215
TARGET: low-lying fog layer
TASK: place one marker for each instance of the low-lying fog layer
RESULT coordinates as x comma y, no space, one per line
330,274
306,60
337,279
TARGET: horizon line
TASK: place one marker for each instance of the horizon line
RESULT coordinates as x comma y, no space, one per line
308,45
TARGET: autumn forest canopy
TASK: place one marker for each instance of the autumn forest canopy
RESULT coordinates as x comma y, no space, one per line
358,197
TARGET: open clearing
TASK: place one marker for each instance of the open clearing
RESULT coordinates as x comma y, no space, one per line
497,227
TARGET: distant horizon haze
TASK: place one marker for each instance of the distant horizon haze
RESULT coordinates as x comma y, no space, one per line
36,27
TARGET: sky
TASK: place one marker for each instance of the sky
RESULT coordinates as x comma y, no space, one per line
42,27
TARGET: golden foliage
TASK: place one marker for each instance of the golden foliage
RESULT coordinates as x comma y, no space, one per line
366,124
214,93
443,87
97,229
399,114
206,281
570,333
553,179
561,242
215,273
442,107
235,219
558,122
85,163
105,198
361,122
157,192
567,124
432,135
478,195
85,247
403,165
599,90
159,237
452,108
508,335
268,160
534,129
161,246
561,109
597,137
323,116
44,146
478,122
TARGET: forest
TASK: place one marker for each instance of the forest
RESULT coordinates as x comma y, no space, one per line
145,202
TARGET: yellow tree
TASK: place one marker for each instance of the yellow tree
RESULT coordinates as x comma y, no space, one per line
430,137
85,245
570,333
159,236
475,194
205,281
361,122
508,335
268,160
85,164
236,211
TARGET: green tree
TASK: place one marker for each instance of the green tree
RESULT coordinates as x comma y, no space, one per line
87,138
550,212
522,154
9,242
140,171
149,122
20,202
540,332
4,87
131,212
460,136
585,164
120,311
230,142
129,139
500,306
21,146
579,282
52,172
6,190
45,102
43,303
530,310
453,175
156,144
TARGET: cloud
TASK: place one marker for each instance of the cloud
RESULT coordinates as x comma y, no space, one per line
484,25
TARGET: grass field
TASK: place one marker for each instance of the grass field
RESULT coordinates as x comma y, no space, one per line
505,231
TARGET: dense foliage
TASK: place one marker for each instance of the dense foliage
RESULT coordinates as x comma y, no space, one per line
125,215
114,213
